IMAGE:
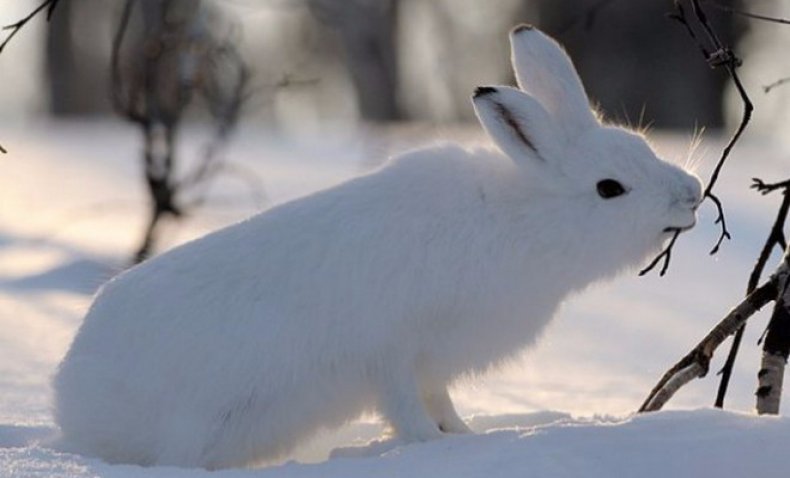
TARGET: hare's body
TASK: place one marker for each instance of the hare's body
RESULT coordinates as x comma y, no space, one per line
446,294
372,295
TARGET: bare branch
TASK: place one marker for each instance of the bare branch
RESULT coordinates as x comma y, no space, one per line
766,188
767,88
720,56
724,234
696,363
775,239
753,16
665,255
14,28
723,56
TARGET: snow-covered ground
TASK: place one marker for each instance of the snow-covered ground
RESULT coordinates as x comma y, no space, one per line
72,211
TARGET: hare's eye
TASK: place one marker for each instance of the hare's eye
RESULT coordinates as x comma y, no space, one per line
609,188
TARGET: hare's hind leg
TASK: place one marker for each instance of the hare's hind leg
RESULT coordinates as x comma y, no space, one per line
441,409
403,407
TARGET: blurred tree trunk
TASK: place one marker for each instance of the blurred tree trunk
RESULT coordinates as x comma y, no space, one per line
76,71
634,59
367,30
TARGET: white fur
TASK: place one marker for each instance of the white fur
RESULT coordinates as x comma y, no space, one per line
374,295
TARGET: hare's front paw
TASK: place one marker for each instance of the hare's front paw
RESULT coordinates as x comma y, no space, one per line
456,426
418,431
441,409
404,408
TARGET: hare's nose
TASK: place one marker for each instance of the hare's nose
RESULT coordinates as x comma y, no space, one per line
691,201
692,196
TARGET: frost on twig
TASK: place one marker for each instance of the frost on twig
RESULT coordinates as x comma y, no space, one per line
696,363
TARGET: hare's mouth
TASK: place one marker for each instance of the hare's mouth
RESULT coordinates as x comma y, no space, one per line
678,229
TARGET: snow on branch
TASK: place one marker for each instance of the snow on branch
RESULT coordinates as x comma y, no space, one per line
697,362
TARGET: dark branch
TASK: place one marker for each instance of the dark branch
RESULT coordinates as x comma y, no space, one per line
719,56
723,56
16,27
725,234
766,188
767,88
665,255
753,16
695,364
776,238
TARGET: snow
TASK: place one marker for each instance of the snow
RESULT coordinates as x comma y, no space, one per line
672,443
71,213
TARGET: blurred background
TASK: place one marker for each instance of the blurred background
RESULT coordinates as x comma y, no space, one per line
133,126
187,78
320,64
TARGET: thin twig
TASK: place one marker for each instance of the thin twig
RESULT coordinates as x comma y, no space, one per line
765,188
720,56
723,56
767,88
665,255
753,16
16,27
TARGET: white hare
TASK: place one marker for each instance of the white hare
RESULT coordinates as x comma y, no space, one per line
376,294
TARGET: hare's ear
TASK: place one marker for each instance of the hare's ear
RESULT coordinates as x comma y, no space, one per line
517,123
545,71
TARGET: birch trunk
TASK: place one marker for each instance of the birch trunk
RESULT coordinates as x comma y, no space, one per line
776,349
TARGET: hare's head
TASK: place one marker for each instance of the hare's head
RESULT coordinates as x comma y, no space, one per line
623,195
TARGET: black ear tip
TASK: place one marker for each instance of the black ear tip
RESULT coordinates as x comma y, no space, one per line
483,90
523,27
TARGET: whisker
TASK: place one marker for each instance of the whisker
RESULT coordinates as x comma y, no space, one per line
693,159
